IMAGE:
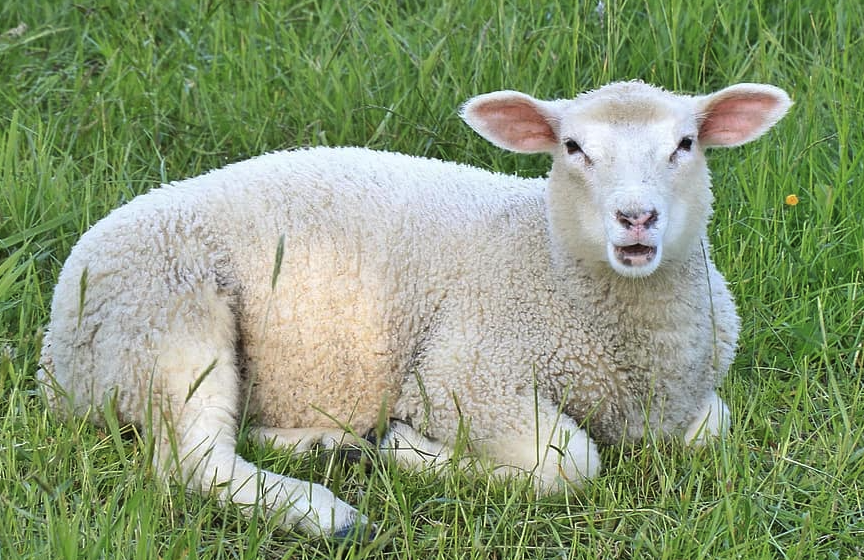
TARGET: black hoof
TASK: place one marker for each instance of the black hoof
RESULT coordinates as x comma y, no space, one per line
357,532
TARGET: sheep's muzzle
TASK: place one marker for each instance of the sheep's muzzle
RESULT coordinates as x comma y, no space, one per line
635,255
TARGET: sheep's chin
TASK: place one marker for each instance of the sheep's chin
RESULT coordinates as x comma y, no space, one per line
635,261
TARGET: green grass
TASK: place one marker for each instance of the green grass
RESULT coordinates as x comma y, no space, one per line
101,100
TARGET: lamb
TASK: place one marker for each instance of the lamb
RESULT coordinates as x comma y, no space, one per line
327,286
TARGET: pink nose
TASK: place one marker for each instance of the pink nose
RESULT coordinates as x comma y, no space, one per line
637,219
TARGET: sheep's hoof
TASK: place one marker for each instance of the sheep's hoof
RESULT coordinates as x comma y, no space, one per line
357,532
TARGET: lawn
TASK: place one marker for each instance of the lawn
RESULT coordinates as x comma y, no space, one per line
102,100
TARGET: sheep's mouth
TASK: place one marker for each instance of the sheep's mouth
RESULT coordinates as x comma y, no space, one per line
635,255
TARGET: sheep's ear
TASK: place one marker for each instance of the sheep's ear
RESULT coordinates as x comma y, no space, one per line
740,113
514,121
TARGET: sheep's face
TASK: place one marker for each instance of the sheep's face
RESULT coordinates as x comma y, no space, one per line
629,187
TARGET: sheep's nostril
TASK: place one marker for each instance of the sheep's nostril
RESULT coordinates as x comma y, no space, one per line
644,219
623,220
651,219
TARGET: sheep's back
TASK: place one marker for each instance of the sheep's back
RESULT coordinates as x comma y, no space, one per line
371,243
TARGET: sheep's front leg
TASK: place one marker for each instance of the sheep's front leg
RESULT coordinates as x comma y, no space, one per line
413,450
550,445
554,450
712,420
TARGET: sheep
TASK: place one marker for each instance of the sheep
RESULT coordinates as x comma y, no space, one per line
326,287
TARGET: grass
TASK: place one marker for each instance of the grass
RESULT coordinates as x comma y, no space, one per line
101,101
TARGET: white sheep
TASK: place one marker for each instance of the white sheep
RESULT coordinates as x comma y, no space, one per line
326,286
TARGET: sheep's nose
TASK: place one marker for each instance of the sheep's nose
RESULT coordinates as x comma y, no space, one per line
644,219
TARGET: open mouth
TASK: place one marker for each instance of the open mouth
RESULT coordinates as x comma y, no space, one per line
635,255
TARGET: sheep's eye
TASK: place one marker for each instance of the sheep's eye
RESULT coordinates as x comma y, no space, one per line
572,147
685,144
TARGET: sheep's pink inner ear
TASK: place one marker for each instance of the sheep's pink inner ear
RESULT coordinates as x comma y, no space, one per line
514,124
739,118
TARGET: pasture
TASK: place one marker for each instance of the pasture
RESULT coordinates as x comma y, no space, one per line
103,100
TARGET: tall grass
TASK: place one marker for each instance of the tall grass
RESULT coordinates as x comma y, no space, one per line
101,100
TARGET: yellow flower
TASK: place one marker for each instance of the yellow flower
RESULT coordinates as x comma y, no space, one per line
791,200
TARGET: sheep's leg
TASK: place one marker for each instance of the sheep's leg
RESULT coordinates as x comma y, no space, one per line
712,421
552,447
195,429
299,440
562,453
412,449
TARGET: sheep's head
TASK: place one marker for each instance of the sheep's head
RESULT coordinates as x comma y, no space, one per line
629,184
